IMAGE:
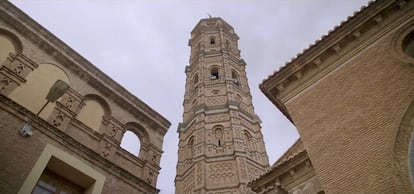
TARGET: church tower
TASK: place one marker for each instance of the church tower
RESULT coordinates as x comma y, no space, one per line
221,146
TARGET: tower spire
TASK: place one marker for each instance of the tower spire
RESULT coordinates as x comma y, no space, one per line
221,146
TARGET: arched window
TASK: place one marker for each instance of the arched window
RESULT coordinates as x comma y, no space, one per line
235,77
93,110
195,79
32,94
247,140
218,132
131,143
8,44
214,73
190,148
212,40
408,44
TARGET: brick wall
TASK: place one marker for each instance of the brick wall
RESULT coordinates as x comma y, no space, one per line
348,120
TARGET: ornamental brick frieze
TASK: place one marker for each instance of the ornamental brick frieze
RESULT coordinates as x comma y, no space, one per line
107,149
153,158
213,59
217,118
188,164
7,84
198,150
239,146
220,174
237,132
199,137
60,117
114,130
199,174
71,101
246,124
235,121
20,65
14,71
228,135
215,91
193,104
150,175
188,184
253,172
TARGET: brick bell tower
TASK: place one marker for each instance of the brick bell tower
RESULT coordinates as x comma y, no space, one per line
221,146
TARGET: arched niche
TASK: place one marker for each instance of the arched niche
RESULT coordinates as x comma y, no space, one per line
195,79
408,44
190,148
32,93
219,135
214,73
247,139
212,40
9,43
93,110
234,75
403,159
403,43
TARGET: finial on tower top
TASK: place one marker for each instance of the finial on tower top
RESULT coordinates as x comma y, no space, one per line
209,15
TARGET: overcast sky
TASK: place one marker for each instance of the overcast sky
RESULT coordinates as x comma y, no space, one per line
143,46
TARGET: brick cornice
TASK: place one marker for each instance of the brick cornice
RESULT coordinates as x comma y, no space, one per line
86,70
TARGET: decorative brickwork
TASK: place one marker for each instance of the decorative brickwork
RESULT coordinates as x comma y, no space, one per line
216,95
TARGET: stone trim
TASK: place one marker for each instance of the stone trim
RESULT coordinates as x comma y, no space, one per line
52,151
397,41
401,150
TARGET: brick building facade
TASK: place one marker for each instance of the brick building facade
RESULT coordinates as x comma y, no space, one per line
351,97
75,144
